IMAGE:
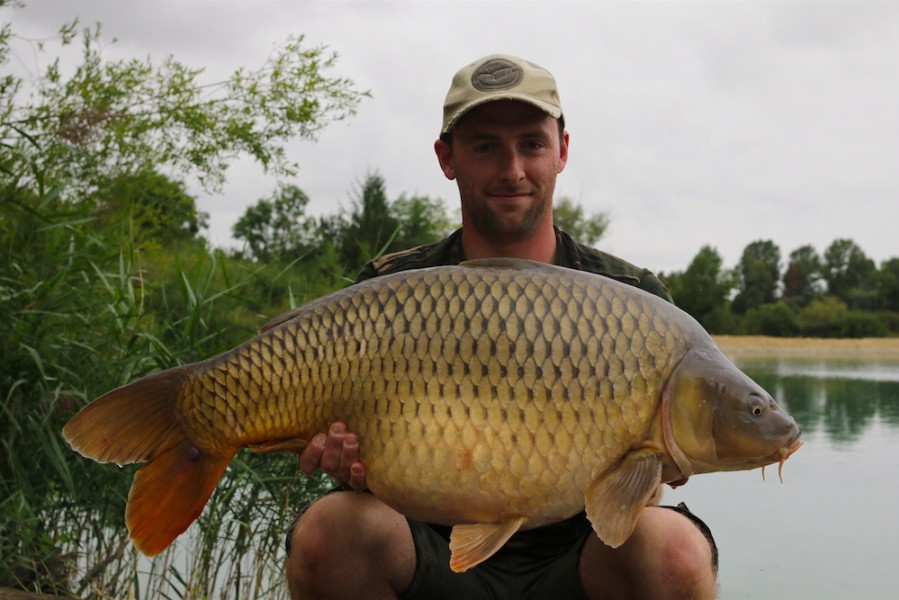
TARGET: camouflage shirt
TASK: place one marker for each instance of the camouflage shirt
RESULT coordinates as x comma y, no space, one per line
569,253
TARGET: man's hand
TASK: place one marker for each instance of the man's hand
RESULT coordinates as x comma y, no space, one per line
336,454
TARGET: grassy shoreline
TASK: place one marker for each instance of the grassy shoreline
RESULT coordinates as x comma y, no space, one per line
752,345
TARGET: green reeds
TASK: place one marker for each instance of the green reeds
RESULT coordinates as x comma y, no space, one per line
83,310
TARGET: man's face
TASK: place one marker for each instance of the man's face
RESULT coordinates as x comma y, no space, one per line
505,156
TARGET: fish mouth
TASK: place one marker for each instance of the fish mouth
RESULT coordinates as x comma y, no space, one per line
781,457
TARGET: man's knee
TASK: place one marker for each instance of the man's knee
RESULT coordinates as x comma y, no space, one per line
311,539
688,558
687,563
320,532
348,533
698,542
667,556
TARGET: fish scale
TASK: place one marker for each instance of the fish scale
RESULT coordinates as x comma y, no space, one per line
425,353
492,396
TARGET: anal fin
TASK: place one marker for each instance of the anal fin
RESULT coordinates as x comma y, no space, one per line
289,445
474,543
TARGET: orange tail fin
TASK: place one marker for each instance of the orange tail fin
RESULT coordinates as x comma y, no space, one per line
137,423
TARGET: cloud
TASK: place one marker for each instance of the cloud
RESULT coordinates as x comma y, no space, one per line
691,123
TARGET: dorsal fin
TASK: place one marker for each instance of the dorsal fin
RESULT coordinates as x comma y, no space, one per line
282,318
504,263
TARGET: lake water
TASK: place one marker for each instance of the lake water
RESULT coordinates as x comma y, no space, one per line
831,530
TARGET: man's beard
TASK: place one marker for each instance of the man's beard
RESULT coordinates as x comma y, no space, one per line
494,225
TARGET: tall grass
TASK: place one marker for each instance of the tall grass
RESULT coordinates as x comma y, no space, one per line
82,310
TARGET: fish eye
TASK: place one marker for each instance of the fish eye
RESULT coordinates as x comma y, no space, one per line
757,405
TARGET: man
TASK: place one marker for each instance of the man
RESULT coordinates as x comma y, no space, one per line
503,141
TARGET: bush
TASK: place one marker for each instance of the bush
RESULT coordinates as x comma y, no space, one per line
820,318
890,319
776,319
857,324
720,321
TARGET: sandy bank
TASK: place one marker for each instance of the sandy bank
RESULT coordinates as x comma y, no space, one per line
737,345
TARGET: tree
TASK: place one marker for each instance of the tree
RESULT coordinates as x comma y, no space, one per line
277,227
133,116
702,290
889,285
149,207
758,274
370,227
802,278
848,273
421,220
570,218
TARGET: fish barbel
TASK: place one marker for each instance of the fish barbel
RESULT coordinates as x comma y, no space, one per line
492,396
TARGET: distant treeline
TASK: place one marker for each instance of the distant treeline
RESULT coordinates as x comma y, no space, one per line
842,293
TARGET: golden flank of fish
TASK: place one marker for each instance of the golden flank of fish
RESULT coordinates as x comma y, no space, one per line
494,396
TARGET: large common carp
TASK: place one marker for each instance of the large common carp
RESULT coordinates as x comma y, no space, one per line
494,396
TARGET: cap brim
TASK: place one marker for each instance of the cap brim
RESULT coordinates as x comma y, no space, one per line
550,109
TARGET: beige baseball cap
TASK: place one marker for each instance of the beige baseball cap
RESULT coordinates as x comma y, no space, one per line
500,77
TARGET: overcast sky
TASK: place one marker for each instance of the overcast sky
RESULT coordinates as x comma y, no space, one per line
691,123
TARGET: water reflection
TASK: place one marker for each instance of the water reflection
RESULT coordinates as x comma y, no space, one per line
840,398
827,532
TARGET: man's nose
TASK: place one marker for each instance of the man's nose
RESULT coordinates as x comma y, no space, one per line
513,166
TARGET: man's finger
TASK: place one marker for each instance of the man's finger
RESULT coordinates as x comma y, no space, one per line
357,476
350,451
333,453
311,456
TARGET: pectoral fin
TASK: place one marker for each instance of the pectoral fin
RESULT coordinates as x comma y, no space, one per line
475,543
615,499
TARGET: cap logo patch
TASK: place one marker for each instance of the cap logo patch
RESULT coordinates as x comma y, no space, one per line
497,74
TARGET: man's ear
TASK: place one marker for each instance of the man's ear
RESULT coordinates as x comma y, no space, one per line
445,158
563,151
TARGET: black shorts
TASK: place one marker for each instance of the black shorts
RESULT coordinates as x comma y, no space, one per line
520,569
536,564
